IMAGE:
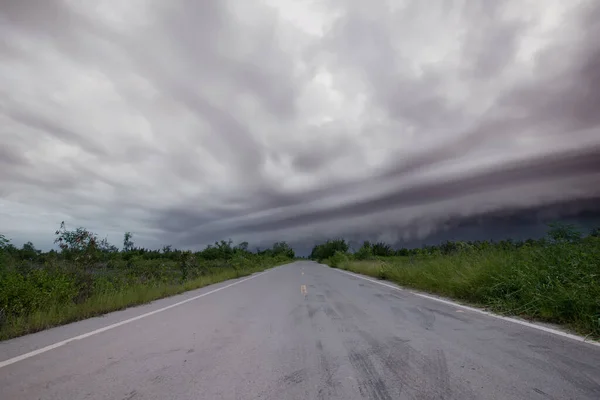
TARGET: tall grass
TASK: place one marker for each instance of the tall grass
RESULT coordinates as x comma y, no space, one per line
89,276
557,282
33,298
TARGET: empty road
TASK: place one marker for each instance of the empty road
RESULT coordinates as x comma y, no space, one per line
300,331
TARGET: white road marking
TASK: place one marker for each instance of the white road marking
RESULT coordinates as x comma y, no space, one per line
476,310
109,327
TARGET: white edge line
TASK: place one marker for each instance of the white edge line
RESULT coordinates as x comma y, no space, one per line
115,325
476,310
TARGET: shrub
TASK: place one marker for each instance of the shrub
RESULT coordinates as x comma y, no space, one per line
328,249
337,259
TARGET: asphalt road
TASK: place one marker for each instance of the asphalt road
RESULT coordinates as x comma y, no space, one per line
301,331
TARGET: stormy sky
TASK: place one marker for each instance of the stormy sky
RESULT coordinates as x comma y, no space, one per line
190,121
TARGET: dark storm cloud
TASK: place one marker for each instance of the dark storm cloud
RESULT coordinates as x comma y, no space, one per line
188,122
563,110
550,168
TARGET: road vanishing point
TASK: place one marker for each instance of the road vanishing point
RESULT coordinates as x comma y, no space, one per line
299,331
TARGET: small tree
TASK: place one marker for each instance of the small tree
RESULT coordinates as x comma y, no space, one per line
128,242
325,250
560,232
6,248
403,252
106,247
382,249
365,252
222,250
4,242
283,249
79,245
186,261
29,252
242,247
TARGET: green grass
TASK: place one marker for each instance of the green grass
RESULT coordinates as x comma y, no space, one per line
557,283
60,313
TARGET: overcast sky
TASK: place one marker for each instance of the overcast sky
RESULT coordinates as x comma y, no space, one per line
189,121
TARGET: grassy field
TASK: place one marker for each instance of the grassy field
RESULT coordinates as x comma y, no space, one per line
89,278
552,281
52,311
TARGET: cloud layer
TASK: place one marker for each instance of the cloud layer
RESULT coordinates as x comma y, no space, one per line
187,122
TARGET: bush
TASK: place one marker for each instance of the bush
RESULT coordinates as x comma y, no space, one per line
328,249
337,259
563,232
23,294
365,252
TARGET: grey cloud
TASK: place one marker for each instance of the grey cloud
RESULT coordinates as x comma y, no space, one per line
38,16
47,126
215,119
197,28
200,38
485,55
568,103
9,157
310,157
51,21
367,42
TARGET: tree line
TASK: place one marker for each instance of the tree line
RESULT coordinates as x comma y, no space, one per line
557,232
85,248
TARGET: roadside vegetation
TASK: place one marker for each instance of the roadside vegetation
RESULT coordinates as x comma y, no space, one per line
554,279
88,276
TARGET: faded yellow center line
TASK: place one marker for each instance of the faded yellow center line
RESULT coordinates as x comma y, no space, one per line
303,289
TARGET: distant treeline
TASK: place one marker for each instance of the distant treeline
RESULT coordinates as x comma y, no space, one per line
85,248
556,232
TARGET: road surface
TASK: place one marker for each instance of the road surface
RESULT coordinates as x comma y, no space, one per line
300,331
